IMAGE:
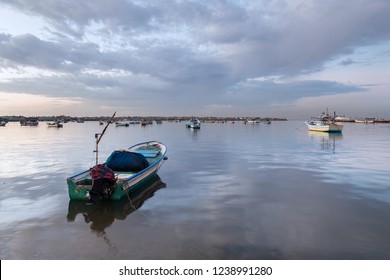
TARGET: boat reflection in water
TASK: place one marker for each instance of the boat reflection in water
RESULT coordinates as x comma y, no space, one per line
327,140
102,214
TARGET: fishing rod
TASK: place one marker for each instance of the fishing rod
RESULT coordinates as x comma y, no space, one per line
98,137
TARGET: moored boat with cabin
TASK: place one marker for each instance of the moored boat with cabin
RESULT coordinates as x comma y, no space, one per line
325,123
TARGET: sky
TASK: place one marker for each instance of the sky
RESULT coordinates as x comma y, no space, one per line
281,58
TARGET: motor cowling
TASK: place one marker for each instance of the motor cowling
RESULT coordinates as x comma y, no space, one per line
103,182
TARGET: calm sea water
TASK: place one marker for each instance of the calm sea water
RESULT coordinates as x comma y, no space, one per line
227,191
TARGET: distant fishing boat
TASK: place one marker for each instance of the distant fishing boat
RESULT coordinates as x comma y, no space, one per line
193,123
146,122
55,124
29,122
252,121
364,120
325,123
121,123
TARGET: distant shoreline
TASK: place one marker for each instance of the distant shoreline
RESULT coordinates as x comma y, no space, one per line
208,119
138,118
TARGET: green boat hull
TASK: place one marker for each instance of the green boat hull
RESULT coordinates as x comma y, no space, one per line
103,213
78,192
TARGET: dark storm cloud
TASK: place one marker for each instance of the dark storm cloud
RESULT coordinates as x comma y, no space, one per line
63,55
206,49
29,50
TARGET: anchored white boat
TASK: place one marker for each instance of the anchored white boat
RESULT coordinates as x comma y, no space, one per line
193,123
325,123
318,125
55,124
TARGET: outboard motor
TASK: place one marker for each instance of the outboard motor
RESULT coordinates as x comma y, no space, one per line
103,181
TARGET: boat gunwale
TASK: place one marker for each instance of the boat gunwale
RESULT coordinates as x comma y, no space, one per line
163,152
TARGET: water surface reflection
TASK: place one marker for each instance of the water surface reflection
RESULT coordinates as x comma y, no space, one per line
235,192
327,141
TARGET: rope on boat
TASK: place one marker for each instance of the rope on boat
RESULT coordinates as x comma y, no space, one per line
131,203
299,127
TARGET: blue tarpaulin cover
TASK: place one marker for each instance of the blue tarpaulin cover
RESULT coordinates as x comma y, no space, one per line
127,161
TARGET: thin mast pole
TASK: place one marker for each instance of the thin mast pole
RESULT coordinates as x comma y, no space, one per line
98,137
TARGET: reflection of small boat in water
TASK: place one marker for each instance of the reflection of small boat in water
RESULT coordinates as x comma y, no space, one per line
327,140
105,212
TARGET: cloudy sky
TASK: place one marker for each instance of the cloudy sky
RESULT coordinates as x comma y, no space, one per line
282,58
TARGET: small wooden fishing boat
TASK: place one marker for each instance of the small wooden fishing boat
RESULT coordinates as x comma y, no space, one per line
123,172
29,122
252,121
122,123
55,124
146,122
131,168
